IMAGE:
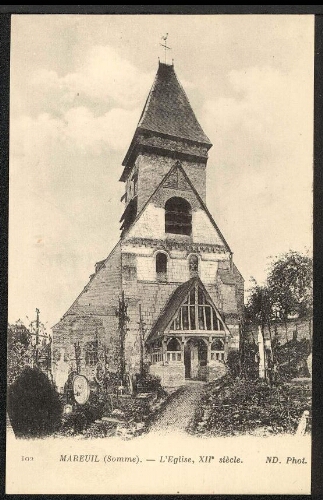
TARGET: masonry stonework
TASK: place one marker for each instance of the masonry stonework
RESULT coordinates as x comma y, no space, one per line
152,168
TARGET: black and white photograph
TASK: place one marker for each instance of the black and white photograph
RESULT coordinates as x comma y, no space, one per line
160,254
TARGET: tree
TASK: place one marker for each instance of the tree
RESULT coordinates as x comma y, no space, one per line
290,280
287,292
20,350
259,306
23,350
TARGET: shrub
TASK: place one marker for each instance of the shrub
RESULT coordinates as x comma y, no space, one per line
34,405
240,405
234,363
149,383
292,357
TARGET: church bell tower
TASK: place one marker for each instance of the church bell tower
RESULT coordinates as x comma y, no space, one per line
167,131
175,261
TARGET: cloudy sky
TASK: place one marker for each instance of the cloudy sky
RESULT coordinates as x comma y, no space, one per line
78,85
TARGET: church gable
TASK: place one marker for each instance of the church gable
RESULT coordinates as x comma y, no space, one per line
176,199
176,180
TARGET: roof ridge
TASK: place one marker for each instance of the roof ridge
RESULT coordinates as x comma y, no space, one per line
163,310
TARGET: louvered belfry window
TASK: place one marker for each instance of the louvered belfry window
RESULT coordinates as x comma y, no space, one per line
178,216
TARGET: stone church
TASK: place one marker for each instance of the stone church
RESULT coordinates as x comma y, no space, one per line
172,263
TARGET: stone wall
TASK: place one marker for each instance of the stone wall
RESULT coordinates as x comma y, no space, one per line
80,329
302,326
93,313
171,375
98,296
234,336
92,316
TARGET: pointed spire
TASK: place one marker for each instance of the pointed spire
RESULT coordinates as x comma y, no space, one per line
168,110
167,114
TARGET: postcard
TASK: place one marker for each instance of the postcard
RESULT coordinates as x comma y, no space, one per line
160,260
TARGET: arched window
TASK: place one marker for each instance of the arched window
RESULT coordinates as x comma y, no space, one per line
174,350
173,345
217,350
217,345
193,264
178,216
161,266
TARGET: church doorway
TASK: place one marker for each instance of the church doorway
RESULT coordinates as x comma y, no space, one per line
195,359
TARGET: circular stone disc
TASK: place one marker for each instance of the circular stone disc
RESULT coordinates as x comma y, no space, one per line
81,389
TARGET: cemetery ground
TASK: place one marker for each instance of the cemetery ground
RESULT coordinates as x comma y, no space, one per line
229,406
232,407
235,405
226,407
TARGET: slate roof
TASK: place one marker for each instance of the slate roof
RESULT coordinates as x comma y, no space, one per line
168,110
172,305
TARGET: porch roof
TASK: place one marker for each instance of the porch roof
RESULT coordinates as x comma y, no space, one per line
172,306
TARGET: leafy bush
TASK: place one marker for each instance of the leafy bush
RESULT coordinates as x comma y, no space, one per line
34,406
100,430
133,409
291,358
149,383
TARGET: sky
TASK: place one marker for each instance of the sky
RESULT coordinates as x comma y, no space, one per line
78,84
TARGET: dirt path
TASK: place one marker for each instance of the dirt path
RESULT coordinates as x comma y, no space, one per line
177,413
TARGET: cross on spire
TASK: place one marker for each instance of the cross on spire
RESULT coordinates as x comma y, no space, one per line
164,38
